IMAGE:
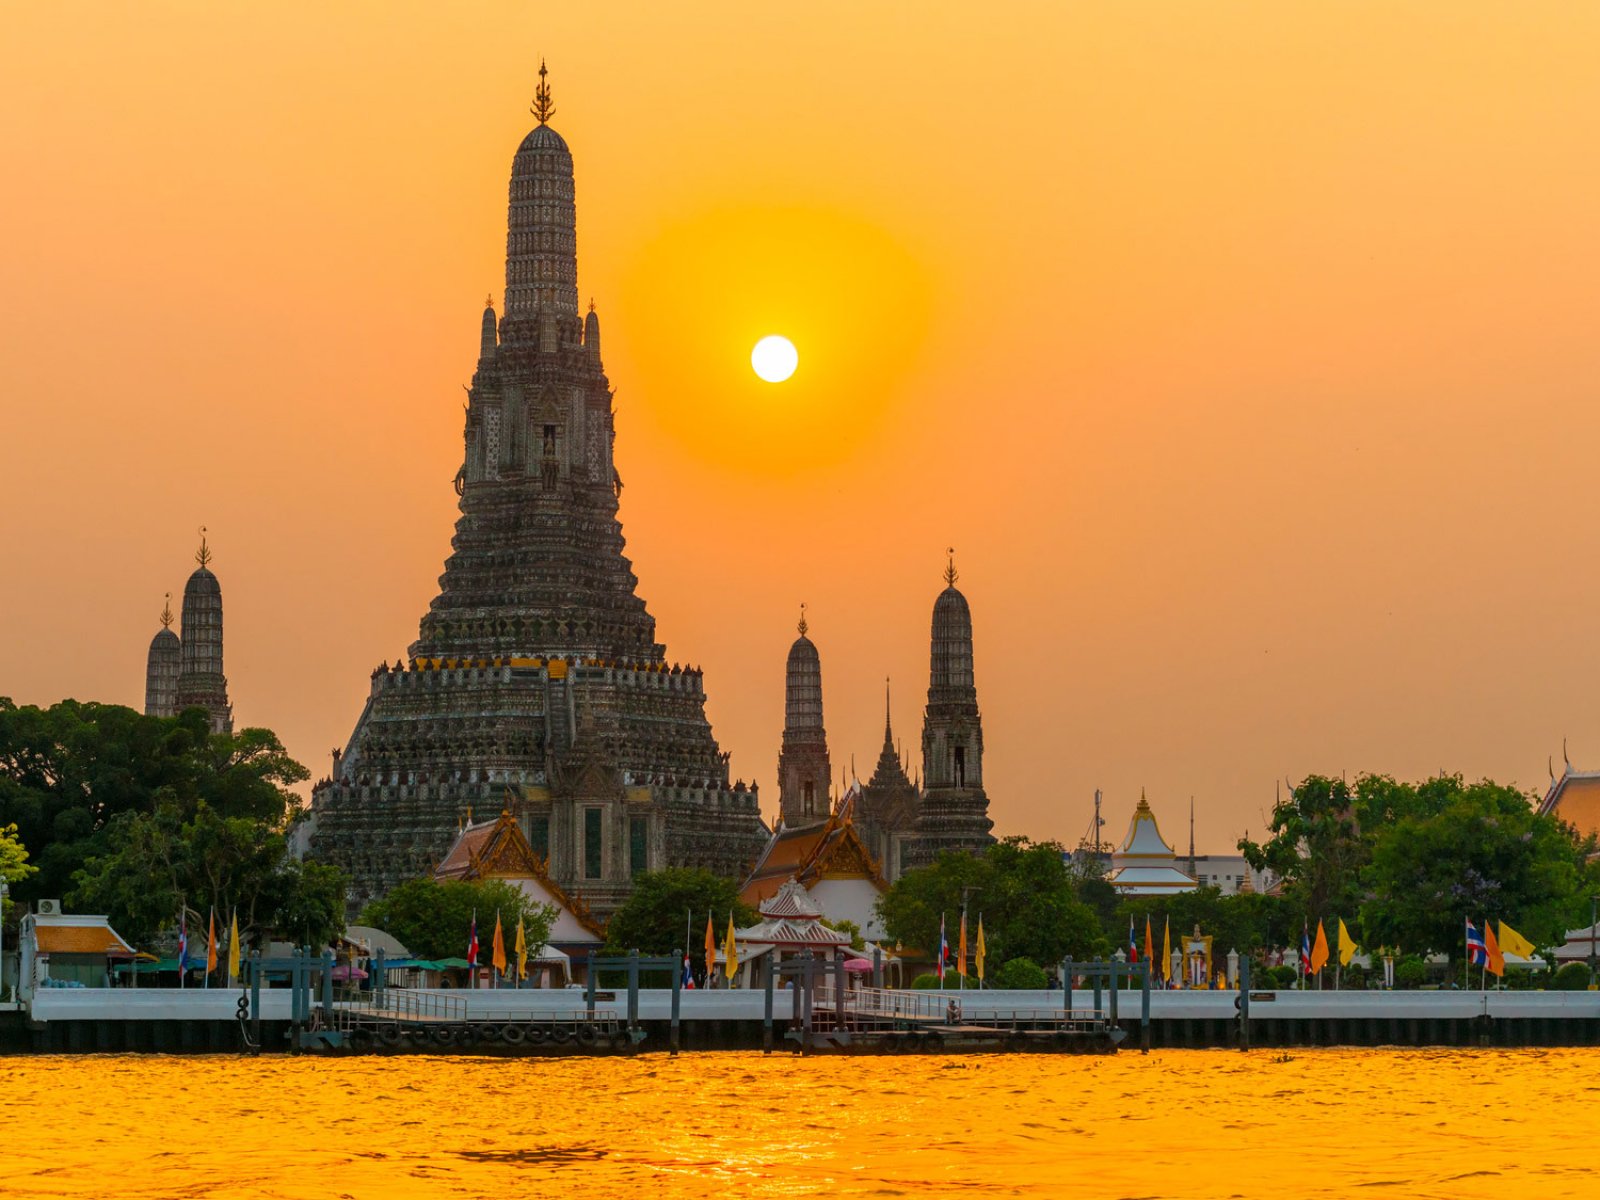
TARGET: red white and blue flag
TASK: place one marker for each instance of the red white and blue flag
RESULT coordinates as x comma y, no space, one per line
183,943
688,976
1305,950
1133,943
1477,952
944,949
472,943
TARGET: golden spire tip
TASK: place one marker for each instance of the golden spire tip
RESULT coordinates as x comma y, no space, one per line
166,613
203,555
803,627
950,576
541,107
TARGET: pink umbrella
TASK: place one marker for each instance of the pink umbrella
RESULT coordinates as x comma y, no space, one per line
346,972
857,966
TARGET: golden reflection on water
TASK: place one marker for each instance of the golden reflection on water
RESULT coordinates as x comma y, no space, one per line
1174,1123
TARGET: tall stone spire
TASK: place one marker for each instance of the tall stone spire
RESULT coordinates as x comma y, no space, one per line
889,804
201,682
955,808
542,236
804,772
162,667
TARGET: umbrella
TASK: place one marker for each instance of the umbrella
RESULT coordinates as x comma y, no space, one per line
857,966
347,972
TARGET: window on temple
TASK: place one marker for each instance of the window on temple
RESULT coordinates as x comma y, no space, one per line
808,790
592,843
961,766
539,836
638,845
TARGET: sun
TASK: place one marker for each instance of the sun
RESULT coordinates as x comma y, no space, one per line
774,358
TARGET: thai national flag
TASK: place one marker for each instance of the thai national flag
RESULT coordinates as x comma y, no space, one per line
1133,943
1477,953
183,943
944,949
1305,950
688,975
472,943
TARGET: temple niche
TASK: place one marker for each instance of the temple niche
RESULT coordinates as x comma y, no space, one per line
536,671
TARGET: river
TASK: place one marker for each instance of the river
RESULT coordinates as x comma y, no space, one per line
1170,1124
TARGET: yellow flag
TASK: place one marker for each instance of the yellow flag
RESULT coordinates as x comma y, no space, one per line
211,944
1513,942
978,962
499,958
732,952
1347,945
1319,950
1166,951
522,950
233,949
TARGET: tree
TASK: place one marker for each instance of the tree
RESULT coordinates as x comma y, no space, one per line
1247,923
1020,975
665,905
1024,890
843,925
68,772
1479,851
13,862
433,918
151,865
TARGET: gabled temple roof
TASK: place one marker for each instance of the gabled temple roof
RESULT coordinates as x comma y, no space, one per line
497,849
790,918
830,849
1145,865
1575,798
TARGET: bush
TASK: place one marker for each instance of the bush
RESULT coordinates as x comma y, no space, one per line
929,982
1020,975
1409,973
1573,977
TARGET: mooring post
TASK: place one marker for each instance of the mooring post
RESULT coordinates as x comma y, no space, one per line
588,987
297,985
1066,985
255,997
677,993
808,982
1096,971
633,989
380,977
327,989
838,991
1116,985
877,967
1244,1003
766,1011
1144,1006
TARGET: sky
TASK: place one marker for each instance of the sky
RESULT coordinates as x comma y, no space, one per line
1244,352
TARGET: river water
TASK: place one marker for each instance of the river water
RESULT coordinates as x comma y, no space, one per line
1170,1124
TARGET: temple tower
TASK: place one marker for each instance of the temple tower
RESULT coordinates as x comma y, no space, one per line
201,682
536,681
162,668
888,807
955,808
803,770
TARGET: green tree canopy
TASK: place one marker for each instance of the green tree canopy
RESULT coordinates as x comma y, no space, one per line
663,904
433,918
1474,850
69,771
1247,923
1025,892
13,862
148,865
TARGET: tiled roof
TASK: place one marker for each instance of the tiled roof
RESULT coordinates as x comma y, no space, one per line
83,936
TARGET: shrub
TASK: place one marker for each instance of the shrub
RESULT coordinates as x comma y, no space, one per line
1409,973
1020,975
929,982
1573,977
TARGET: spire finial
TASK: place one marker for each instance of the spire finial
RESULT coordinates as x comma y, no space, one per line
591,303
950,568
203,555
541,106
488,301
803,627
166,613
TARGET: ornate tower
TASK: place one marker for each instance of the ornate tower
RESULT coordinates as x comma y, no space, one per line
162,668
887,810
201,683
955,809
536,680
803,769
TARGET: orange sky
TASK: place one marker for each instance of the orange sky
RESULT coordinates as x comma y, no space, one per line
1245,352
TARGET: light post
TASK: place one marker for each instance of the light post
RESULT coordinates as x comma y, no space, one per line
5,890
1594,902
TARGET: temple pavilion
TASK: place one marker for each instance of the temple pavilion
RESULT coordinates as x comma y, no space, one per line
1146,865
790,925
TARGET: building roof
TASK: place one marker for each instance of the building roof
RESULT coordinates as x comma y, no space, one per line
1575,798
830,849
79,935
1146,865
497,849
790,918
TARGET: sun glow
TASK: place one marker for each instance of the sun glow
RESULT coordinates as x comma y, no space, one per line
774,358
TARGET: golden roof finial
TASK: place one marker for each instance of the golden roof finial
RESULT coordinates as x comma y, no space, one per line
541,106
591,303
166,613
803,626
950,568
203,555
488,301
